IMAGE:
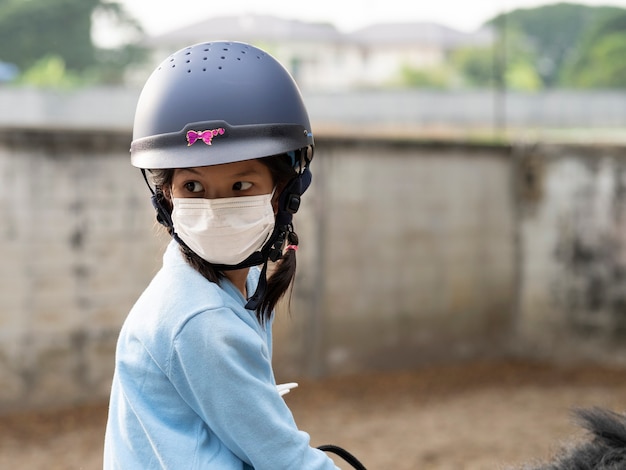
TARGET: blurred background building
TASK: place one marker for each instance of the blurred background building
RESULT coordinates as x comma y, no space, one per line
320,57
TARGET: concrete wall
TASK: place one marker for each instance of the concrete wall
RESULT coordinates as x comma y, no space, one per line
572,261
410,253
410,256
77,247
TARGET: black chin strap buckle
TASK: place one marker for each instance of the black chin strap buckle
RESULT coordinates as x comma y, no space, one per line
276,250
293,203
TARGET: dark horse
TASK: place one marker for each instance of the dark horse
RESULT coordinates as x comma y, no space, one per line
604,450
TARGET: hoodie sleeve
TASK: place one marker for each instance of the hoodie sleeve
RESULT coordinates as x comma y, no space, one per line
221,367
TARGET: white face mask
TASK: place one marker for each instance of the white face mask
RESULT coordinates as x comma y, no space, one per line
225,230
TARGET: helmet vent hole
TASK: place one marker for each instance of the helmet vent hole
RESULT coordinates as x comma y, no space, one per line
220,67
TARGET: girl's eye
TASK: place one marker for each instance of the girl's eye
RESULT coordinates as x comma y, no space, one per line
194,187
242,185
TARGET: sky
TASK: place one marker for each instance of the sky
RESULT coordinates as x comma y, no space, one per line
347,15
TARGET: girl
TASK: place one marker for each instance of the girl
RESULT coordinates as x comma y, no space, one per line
222,131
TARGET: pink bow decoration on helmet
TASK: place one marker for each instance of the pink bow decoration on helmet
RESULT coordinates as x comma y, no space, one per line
205,136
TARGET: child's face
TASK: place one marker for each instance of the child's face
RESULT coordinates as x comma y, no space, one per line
246,178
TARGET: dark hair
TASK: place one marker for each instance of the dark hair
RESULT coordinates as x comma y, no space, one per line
283,271
604,450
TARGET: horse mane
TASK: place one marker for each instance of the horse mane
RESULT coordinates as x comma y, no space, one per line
604,450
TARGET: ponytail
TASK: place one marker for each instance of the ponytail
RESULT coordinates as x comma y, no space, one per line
280,280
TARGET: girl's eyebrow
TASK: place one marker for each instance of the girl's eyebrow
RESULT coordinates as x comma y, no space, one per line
245,173
240,174
189,170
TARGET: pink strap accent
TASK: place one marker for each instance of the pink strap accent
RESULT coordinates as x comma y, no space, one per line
292,247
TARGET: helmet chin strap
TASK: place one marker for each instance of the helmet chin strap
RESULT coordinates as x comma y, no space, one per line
255,299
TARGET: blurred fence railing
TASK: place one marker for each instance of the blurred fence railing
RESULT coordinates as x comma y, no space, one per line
558,114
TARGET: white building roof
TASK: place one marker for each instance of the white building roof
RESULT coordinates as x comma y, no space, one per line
321,57
248,28
431,34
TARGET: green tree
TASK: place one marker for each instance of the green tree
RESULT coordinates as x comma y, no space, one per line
601,60
512,67
31,30
50,72
552,33
522,76
475,65
412,77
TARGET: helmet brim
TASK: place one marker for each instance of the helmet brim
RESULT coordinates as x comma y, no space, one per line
227,145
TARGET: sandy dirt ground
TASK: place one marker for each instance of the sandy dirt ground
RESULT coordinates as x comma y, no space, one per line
462,416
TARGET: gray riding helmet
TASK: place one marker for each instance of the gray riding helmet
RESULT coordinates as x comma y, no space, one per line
218,102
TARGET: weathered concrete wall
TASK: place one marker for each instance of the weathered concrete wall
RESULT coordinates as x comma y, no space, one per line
406,255
572,231
77,247
411,256
410,252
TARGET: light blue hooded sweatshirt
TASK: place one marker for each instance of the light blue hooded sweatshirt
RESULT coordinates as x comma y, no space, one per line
193,386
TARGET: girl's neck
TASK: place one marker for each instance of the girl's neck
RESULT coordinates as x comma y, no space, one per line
238,279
